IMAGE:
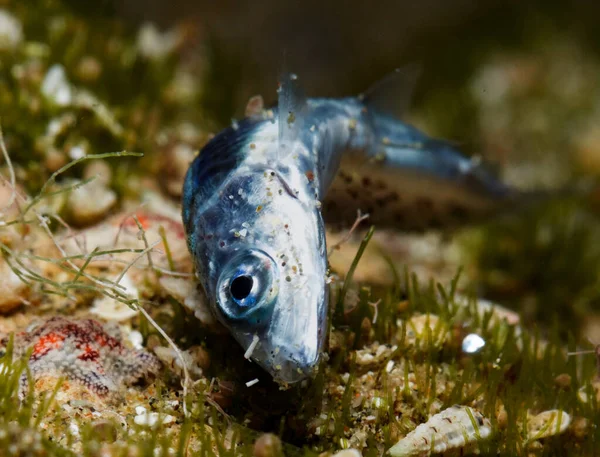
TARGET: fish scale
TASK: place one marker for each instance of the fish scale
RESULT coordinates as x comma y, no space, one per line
280,174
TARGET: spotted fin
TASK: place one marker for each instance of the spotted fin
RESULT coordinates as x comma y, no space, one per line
392,94
291,113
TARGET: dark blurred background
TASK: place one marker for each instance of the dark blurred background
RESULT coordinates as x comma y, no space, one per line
340,47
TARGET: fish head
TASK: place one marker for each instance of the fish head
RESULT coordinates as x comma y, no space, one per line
260,255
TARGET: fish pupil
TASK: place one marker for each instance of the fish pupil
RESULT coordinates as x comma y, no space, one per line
241,287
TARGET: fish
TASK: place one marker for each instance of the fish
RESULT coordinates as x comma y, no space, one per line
256,198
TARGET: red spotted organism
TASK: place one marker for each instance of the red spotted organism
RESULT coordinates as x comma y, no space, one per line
82,351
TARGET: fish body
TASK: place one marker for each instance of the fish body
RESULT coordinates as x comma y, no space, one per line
255,199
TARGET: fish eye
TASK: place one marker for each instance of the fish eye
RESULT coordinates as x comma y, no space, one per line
248,286
241,287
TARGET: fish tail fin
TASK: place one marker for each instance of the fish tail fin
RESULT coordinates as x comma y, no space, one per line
392,94
402,146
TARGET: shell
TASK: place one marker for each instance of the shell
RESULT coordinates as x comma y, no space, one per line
453,428
548,423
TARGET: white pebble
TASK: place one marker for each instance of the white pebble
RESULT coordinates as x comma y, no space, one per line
547,423
76,152
11,31
74,429
56,87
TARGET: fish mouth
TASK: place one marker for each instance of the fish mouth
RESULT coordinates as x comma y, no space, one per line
285,363
291,369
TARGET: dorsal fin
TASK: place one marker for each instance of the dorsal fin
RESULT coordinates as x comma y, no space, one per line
291,111
392,94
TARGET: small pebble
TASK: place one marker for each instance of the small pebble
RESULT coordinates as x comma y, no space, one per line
563,381
13,292
100,170
56,87
268,445
547,423
88,69
90,203
580,427
403,306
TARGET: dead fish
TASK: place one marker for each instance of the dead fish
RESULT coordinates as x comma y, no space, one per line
255,199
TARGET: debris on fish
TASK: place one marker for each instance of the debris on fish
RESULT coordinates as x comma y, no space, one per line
547,423
457,427
255,200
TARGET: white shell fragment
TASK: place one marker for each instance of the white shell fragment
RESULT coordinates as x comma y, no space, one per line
454,428
151,419
548,423
472,343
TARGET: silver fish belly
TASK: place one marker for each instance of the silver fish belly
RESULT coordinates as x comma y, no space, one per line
252,208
